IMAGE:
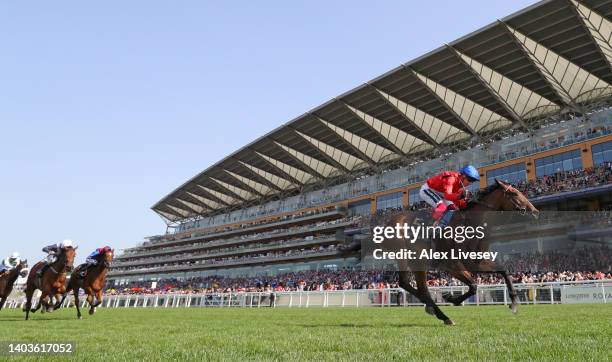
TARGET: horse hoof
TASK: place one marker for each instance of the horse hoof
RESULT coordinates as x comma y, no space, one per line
430,310
449,322
91,312
79,317
514,308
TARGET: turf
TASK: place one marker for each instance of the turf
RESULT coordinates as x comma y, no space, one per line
557,332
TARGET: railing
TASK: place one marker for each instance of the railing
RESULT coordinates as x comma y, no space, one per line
540,293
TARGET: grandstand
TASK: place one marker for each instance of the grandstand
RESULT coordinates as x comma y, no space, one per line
527,99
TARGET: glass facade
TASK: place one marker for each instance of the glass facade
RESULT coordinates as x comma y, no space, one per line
574,131
567,161
513,174
389,201
413,196
602,153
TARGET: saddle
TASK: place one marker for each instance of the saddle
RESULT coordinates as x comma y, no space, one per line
81,271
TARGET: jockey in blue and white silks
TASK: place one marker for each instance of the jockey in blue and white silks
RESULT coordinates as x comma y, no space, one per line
10,262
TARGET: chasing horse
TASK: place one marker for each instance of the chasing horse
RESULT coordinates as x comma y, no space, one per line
90,277
8,279
49,276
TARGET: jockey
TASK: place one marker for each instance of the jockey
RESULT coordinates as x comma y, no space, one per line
446,192
52,251
10,262
91,260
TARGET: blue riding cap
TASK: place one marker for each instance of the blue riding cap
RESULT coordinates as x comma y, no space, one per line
471,173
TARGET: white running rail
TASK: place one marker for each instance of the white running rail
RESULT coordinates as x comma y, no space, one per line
541,293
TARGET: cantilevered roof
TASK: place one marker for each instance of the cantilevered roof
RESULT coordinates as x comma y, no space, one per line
555,55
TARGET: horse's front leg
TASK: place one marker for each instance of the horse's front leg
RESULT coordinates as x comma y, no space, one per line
98,298
90,300
2,302
494,267
514,301
57,298
41,303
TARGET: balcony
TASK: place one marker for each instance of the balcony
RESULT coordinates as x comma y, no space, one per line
237,241
242,251
175,240
225,265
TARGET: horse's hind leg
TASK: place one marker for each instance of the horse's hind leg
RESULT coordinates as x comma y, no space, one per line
28,303
77,303
404,282
2,302
421,279
465,277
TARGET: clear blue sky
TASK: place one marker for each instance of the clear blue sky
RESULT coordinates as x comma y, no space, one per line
106,107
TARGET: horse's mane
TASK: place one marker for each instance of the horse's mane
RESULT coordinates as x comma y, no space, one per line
481,194
487,190
15,275
100,257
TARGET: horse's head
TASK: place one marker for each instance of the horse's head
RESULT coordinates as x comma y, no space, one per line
107,257
514,200
22,267
68,253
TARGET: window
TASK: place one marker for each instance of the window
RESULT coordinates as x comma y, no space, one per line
389,201
513,174
602,153
359,208
562,162
414,197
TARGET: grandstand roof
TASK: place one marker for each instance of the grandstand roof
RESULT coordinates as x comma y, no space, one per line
551,56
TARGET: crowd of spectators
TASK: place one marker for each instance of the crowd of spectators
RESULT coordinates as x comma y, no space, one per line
568,181
577,265
556,183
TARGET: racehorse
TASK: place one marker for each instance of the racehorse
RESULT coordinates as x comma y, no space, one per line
501,196
8,279
52,282
92,283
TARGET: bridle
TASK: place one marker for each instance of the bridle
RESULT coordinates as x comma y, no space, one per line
61,259
511,190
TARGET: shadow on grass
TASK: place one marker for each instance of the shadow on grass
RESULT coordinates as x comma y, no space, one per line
35,319
368,325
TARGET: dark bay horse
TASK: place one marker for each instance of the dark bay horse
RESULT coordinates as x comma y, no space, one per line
499,197
92,283
8,279
51,283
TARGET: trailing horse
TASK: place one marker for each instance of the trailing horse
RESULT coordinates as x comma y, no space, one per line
51,283
8,279
92,283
